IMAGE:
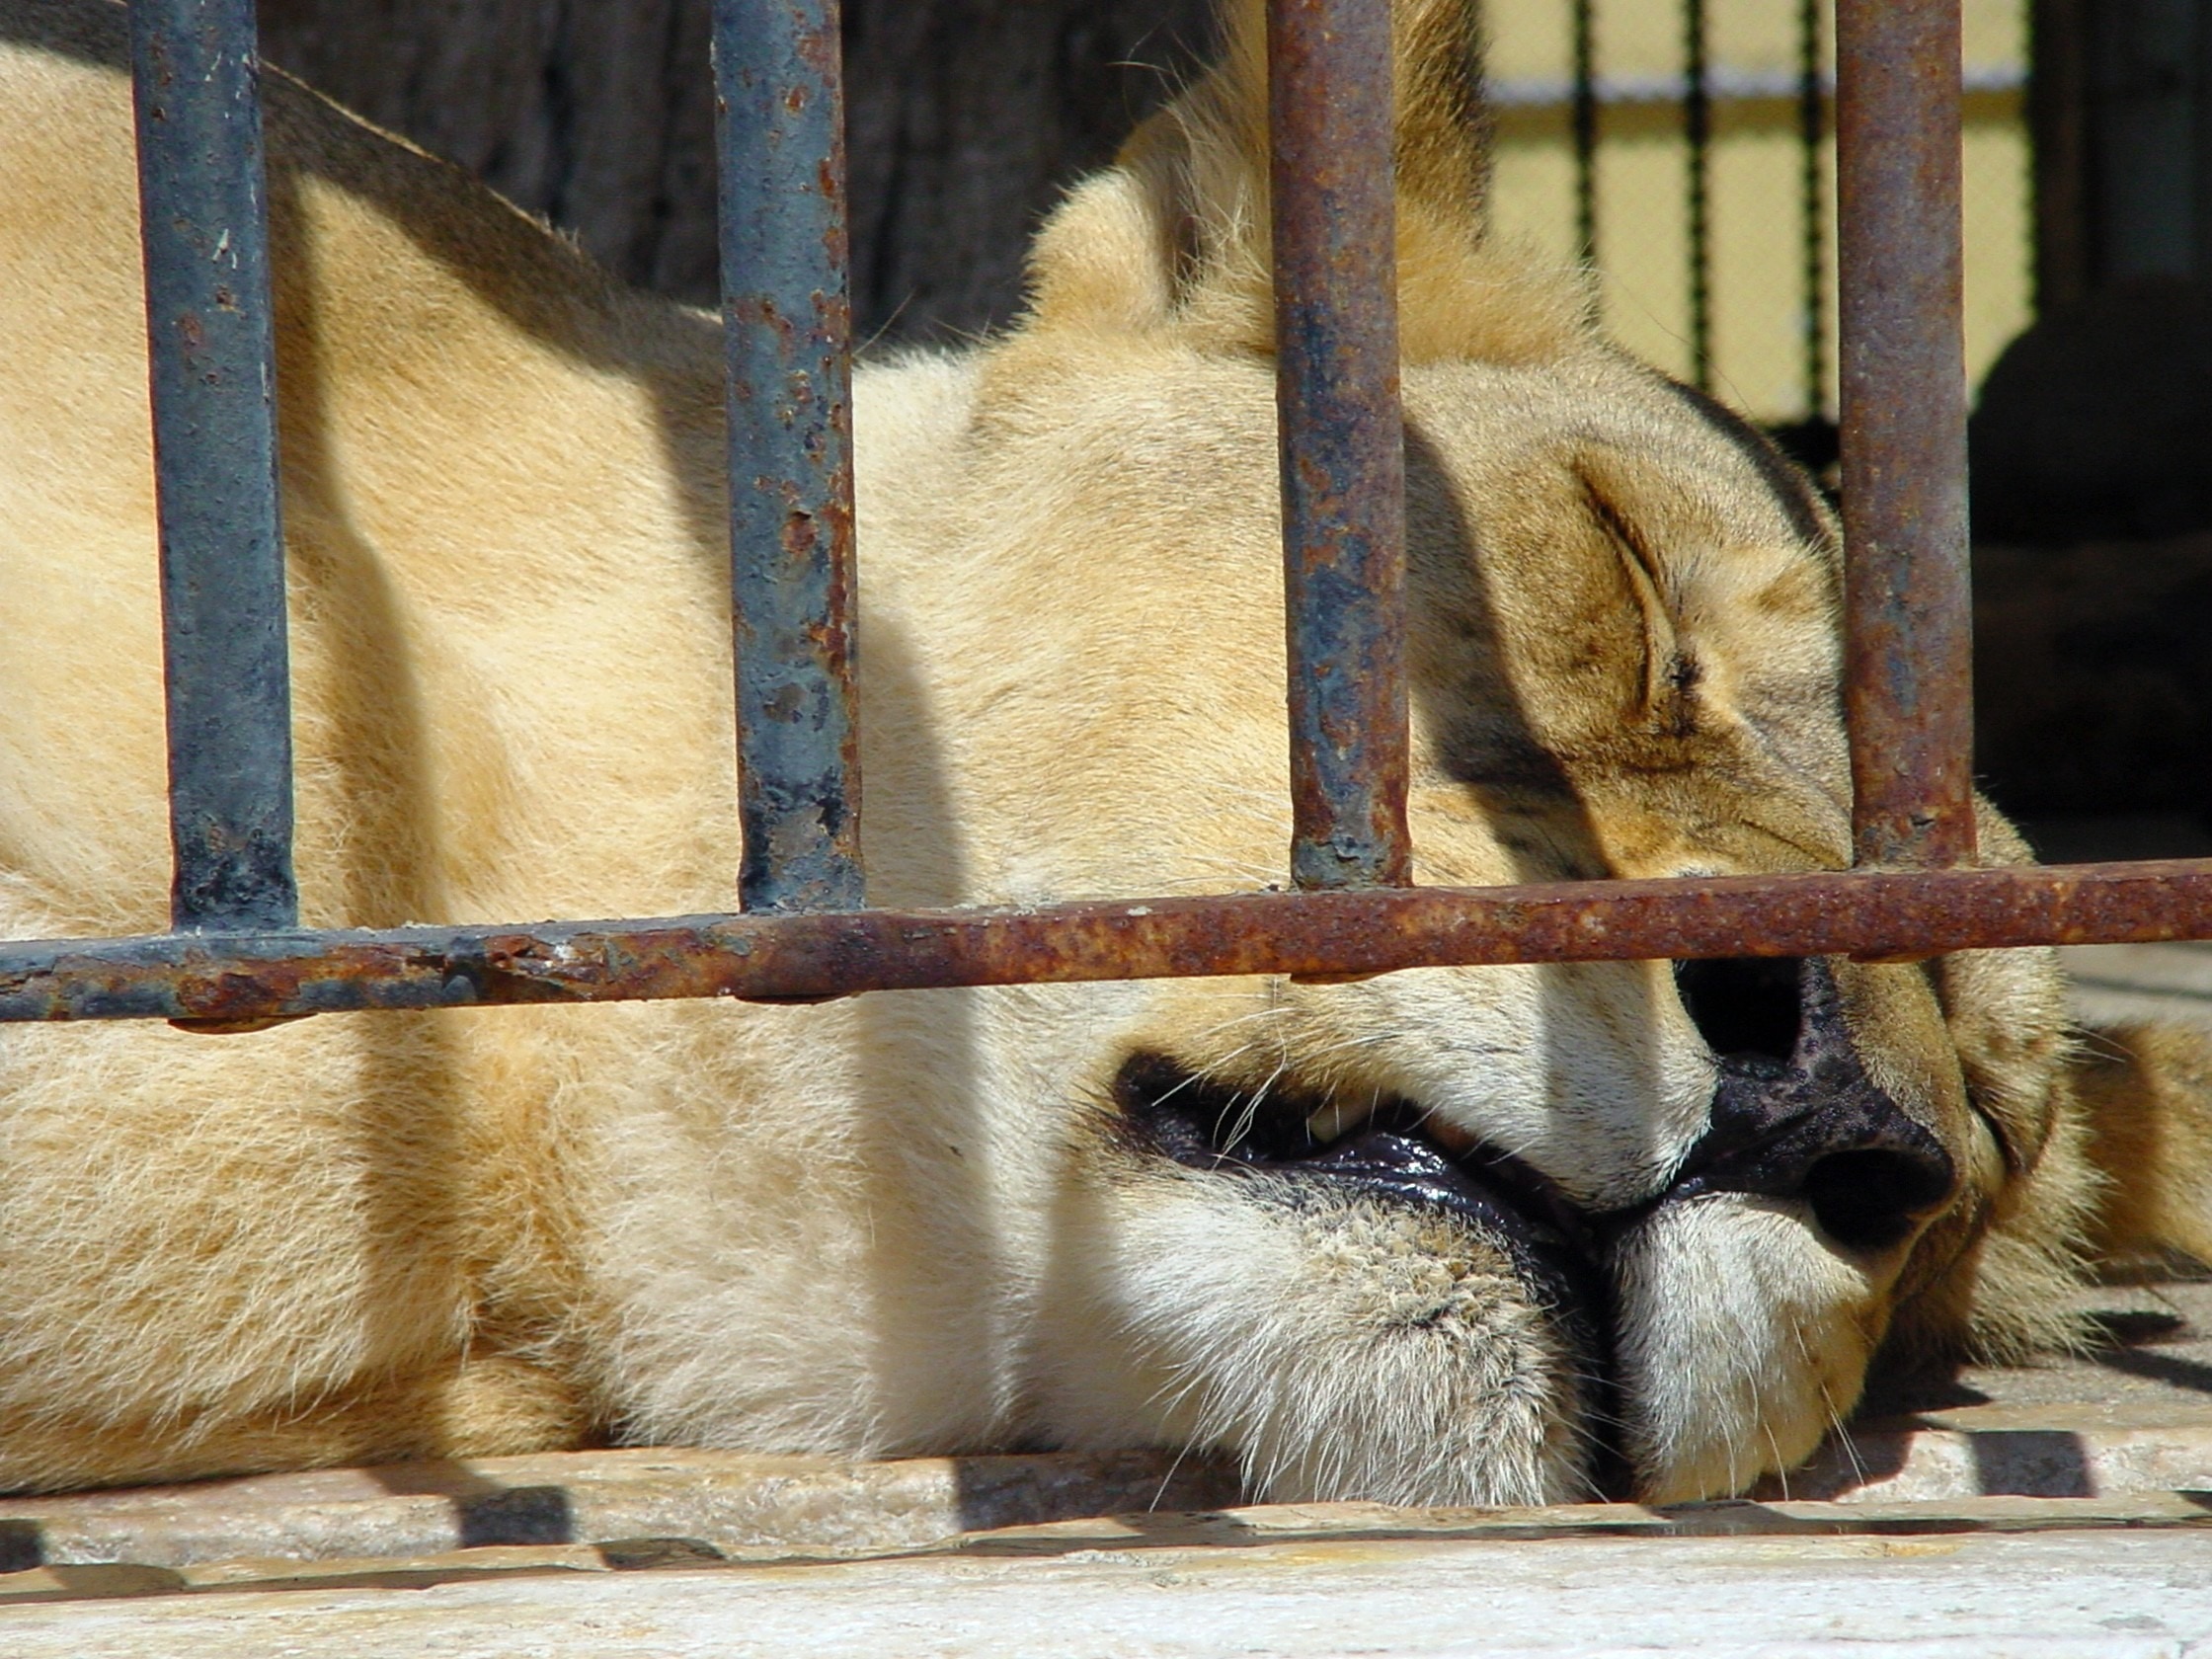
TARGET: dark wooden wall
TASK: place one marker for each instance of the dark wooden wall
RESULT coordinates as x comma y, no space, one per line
2121,110
966,119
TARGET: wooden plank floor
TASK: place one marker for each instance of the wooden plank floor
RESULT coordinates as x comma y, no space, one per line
2112,1593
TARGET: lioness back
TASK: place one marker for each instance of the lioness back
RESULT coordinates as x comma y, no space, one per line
502,504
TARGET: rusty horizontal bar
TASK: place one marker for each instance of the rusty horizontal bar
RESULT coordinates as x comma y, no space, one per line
1334,207
223,980
212,354
787,326
1909,644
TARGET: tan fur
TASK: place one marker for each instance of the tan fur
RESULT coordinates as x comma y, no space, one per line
917,1222
2148,1091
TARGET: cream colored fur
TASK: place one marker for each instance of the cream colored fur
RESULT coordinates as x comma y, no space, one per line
916,1223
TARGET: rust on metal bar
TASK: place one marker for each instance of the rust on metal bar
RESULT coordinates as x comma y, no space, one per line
211,356
227,979
1909,652
1334,209
787,321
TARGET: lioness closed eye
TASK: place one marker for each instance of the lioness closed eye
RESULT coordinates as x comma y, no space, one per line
1446,1235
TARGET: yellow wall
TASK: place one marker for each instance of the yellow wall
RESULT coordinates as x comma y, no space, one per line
1758,233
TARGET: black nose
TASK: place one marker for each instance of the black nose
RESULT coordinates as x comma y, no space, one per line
1796,1114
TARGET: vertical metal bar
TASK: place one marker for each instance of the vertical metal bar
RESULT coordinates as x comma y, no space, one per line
1697,126
1909,657
1342,439
779,124
2062,59
211,348
1812,128
1585,33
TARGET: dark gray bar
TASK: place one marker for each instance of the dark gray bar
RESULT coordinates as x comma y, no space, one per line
1343,438
222,551
1909,652
787,321
1697,129
1583,28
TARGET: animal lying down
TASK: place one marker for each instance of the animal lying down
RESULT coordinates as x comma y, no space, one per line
1501,1235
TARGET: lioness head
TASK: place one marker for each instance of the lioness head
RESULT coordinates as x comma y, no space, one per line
1506,1234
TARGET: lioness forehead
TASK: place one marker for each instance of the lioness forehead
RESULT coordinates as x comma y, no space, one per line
1622,605
1623,597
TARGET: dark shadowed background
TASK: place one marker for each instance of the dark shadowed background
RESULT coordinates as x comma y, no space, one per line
966,119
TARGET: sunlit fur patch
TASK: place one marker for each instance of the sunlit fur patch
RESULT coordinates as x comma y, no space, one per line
1351,1348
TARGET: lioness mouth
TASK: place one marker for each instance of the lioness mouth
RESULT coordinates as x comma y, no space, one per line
1394,1152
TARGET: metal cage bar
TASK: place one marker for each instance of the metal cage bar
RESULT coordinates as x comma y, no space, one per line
1812,129
1909,652
1875,915
1334,204
1696,134
1582,34
211,349
787,325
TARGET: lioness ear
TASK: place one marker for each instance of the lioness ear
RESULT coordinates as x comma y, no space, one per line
1442,127
1195,175
2147,1093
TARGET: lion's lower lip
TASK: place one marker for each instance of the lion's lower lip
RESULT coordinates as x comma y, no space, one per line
1550,1247
1415,1169
1396,1158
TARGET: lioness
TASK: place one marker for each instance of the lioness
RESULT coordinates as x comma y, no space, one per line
1505,1234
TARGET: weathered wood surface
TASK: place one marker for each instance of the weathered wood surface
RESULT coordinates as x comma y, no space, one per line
2117,1595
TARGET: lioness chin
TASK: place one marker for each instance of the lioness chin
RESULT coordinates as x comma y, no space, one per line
1506,1234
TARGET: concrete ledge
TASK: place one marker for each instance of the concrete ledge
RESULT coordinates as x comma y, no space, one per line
732,1501
2050,1510
1913,1473
2043,1451
1246,1528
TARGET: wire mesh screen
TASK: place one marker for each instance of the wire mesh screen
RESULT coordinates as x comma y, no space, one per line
1686,147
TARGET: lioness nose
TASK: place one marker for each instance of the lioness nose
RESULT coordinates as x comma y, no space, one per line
1797,1115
